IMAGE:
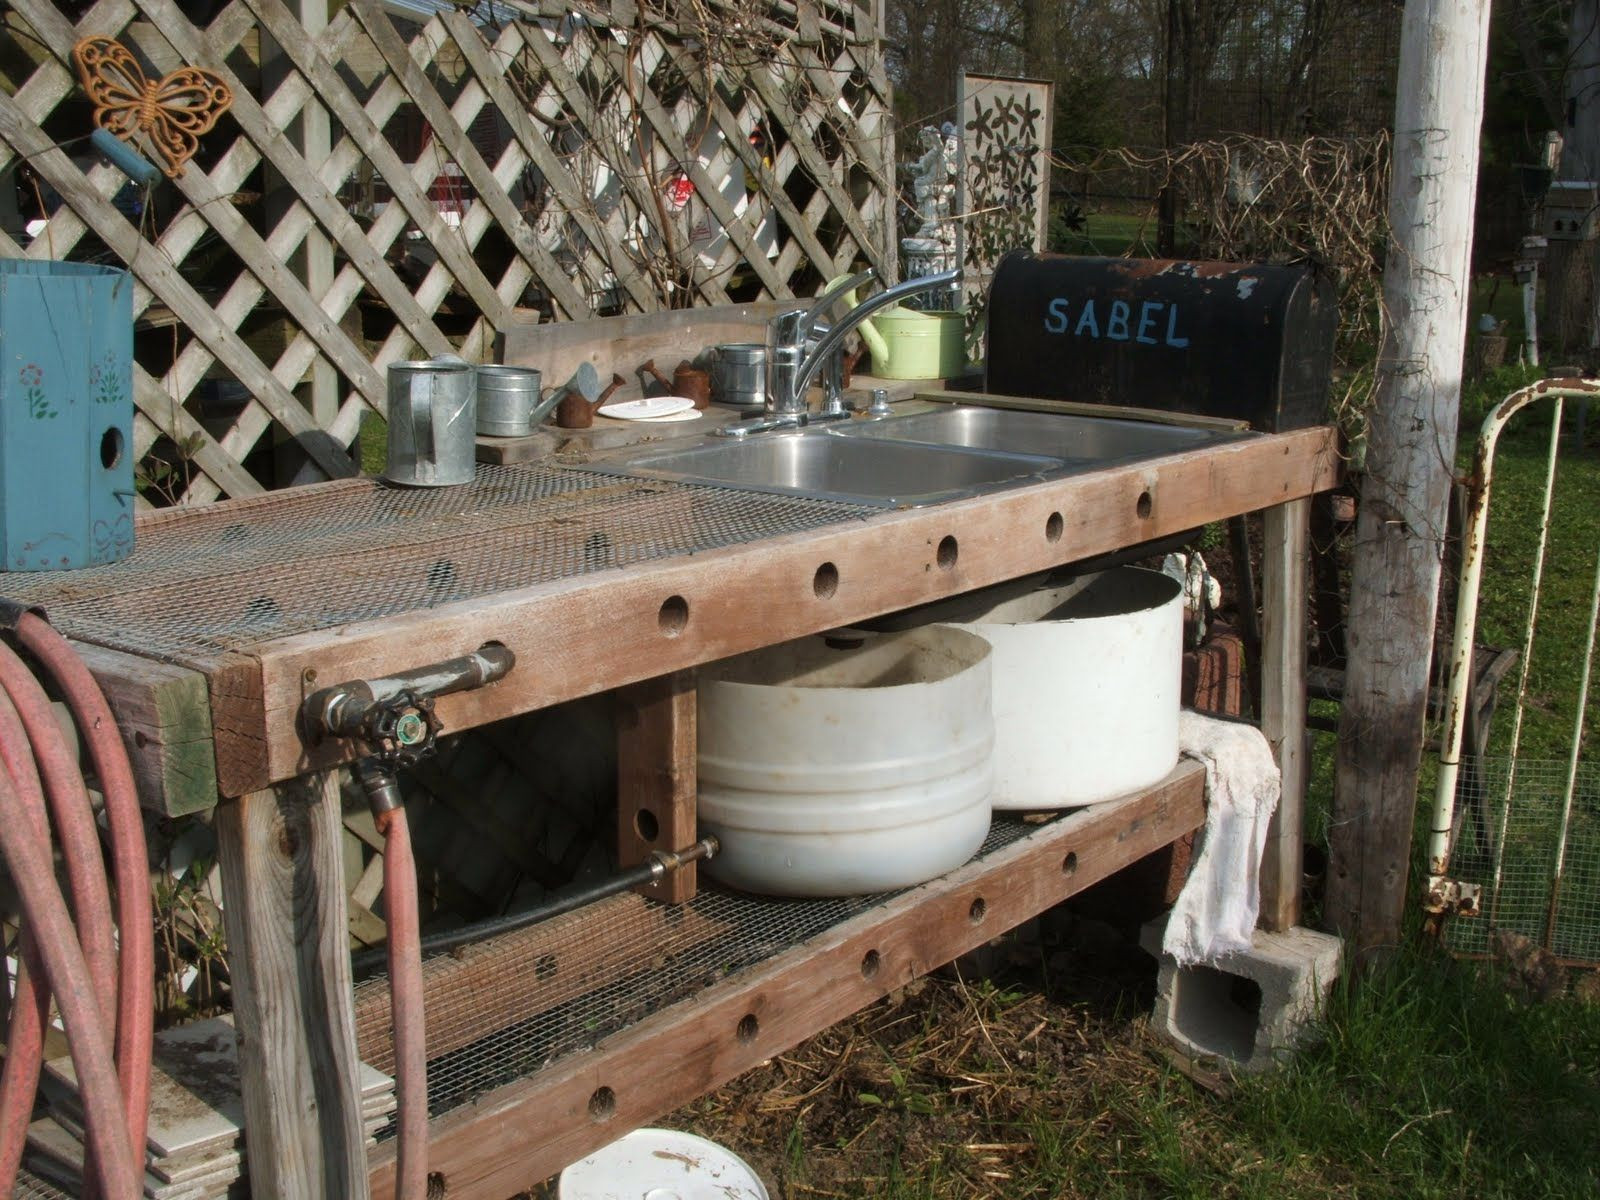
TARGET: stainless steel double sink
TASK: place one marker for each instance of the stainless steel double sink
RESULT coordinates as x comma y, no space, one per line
914,459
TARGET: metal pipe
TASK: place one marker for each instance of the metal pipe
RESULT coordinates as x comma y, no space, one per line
1473,535
345,709
658,866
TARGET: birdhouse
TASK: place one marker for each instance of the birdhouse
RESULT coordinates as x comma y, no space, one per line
1571,209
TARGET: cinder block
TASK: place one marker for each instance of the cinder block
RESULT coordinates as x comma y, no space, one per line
1248,1010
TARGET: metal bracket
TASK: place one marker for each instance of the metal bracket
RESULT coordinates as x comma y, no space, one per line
12,612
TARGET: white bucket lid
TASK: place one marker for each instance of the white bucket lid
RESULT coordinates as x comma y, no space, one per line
661,1164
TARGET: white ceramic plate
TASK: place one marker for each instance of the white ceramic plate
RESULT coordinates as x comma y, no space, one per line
655,1164
646,408
688,414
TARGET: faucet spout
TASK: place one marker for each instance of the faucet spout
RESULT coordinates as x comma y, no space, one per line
794,368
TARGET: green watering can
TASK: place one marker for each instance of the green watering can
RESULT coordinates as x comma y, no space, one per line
908,344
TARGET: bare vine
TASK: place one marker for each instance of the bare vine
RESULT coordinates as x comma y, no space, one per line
1320,200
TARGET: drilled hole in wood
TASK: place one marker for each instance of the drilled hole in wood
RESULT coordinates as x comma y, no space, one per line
748,1028
1144,506
1069,864
674,615
978,911
438,1186
110,447
602,1104
946,557
140,738
1054,525
544,967
871,962
826,581
646,825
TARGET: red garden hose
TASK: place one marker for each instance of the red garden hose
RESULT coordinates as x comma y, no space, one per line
406,997
104,986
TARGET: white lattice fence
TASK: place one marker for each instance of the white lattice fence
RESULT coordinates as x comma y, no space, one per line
387,186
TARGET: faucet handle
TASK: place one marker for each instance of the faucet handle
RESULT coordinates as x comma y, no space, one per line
789,327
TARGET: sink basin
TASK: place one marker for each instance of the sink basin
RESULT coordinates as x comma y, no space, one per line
820,463
1075,441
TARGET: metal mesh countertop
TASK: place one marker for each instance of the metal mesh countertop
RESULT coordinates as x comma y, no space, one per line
236,575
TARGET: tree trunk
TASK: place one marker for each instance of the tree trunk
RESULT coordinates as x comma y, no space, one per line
1574,294
1409,465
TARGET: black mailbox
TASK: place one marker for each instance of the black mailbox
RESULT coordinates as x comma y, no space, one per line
1248,341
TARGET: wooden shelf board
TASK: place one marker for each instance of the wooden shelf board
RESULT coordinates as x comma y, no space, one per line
517,1135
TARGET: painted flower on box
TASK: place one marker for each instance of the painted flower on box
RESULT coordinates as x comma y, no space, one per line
31,377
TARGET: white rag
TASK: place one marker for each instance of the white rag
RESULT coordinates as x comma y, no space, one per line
1216,912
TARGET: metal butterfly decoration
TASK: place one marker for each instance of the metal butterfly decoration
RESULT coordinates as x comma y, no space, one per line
163,117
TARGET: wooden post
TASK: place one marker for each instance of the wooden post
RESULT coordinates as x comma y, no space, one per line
656,777
1285,551
1404,495
284,911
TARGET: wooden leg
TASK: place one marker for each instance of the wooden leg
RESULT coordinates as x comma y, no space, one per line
656,777
1286,546
288,956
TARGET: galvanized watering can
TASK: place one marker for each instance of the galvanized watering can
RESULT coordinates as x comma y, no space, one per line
432,423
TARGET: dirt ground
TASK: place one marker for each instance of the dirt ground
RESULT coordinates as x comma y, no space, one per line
950,1081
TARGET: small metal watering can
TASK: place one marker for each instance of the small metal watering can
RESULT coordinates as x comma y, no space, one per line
432,423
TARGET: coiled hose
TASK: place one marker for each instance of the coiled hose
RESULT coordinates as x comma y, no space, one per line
102,979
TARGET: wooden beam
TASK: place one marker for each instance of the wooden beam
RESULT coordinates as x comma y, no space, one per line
1286,549
164,715
1075,408
621,344
289,961
592,633
520,1134
656,795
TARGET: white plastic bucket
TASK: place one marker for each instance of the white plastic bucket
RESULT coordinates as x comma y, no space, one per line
661,1164
837,772
1086,689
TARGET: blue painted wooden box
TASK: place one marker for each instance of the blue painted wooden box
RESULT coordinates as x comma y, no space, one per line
66,415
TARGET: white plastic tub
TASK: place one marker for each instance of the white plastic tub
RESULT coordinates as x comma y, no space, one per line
1086,689
837,772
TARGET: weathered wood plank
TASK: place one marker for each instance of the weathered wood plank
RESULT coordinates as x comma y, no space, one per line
802,130
771,189
577,99
1286,548
166,281
738,228
520,1134
589,633
164,715
465,154
622,343
656,785
289,960
574,197
1158,416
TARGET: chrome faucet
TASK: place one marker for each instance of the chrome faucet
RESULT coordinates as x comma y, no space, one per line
793,358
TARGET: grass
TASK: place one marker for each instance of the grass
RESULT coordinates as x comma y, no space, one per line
1433,1080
